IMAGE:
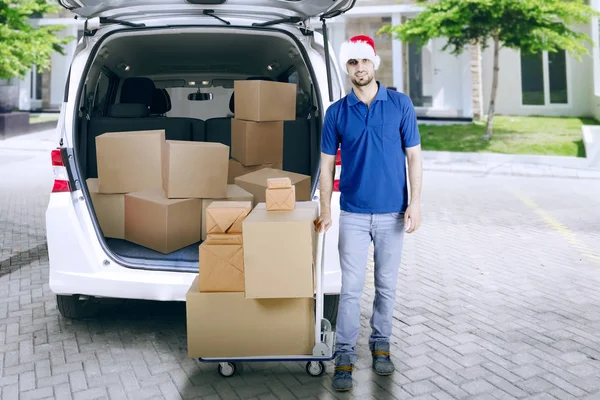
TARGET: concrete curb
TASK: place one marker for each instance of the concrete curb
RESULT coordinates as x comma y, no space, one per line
508,164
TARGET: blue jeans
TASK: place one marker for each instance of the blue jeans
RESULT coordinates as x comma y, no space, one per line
357,231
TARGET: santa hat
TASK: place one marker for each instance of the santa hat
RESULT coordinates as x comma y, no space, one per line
358,48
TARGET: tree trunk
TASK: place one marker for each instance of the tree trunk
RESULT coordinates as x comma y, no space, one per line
490,121
476,82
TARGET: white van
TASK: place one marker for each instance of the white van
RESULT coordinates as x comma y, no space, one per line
171,64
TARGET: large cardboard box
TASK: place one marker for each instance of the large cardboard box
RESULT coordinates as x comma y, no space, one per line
256,183
229,325
256,143
221,266
129,161
195,169
279,251
234,193
265,101
236,169
110,210
226,216
165,225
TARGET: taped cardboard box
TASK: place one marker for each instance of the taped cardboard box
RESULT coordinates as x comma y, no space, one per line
165,225
259,100
256,183
110,210
279,251
234,193
257,143
229,325
222,264
226,216
236,169
279,183
195,169
130,161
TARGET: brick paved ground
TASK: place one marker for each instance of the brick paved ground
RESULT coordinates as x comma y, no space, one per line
498,299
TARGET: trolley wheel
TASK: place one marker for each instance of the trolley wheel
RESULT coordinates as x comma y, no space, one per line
315,368
227,369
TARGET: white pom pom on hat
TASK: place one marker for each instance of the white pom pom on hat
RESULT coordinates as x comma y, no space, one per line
358,47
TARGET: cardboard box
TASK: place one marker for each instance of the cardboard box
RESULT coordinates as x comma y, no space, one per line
236,169
234,193
256,183
256,143
110,210
129,161
283,199
221,268
226,216
279,251
224,238
279,183
265,101
195,169
229,325
165,225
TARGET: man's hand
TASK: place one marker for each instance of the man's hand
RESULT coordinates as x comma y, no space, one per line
412,218
323,222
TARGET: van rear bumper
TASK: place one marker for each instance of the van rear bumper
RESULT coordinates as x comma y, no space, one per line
79,265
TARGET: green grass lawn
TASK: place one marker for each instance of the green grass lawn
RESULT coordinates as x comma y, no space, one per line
35,119
512,135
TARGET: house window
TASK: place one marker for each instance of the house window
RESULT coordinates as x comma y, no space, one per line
544,78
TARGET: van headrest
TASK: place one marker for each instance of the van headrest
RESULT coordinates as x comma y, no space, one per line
137,90
128,110
161,102
252,78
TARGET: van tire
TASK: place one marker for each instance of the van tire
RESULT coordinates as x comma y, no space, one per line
330,308
73,307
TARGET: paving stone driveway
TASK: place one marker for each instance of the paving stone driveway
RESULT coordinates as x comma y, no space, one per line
498,299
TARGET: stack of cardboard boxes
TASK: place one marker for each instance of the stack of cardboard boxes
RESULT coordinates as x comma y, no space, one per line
149,190
254,291
254,294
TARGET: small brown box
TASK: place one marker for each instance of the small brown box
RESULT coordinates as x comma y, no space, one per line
224,238
226,216
281,199
279,183
221,268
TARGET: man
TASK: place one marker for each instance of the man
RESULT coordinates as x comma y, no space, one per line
377,130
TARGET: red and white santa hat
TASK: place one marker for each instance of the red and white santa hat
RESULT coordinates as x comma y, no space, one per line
358,47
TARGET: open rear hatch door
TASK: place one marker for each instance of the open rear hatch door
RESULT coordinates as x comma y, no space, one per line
300,9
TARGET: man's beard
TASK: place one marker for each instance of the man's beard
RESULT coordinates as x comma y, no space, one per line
366,80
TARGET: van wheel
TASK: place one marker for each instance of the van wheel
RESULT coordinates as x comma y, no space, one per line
74,307
330,308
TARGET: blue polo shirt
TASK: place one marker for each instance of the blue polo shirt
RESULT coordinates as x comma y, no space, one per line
373,141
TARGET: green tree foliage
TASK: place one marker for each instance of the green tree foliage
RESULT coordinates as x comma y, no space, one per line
22,44
530,26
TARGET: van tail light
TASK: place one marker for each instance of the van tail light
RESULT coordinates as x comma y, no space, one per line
61,178
338,165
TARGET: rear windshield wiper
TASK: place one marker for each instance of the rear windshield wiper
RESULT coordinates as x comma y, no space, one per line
117,21
210,12
293,20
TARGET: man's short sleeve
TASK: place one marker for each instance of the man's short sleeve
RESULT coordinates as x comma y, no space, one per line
330,140
409,127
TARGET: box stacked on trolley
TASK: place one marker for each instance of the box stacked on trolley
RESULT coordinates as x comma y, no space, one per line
254,293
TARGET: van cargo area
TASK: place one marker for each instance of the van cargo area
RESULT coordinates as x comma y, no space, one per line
181,81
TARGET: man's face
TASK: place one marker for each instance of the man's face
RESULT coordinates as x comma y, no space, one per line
361,72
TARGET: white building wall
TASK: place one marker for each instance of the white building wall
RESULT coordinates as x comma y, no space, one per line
60,67
509,97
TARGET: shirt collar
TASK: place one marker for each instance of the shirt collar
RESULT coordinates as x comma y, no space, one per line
381,95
